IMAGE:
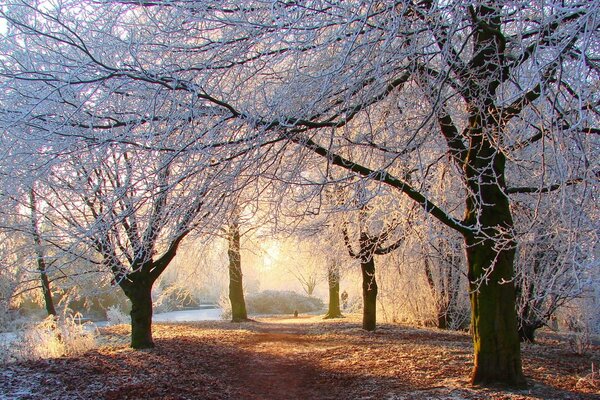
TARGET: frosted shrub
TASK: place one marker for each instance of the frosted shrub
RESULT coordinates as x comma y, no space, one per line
225,306
282,302
115,316
53,338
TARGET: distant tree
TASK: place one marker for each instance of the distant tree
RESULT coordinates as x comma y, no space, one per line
236,285
554,259
333,281
443,271
369,245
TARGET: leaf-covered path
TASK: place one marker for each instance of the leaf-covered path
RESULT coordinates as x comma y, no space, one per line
303,358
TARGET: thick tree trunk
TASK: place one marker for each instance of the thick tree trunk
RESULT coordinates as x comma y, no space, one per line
369,285
333,278
140,296
236,286
493,316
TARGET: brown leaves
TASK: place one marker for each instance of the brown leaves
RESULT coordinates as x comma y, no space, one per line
308,359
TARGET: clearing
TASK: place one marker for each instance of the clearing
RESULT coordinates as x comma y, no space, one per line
294,358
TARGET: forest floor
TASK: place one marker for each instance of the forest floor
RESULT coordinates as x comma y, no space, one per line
294,358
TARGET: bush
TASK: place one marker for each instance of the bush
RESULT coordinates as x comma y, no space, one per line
225,306
115,316
282,302
50,338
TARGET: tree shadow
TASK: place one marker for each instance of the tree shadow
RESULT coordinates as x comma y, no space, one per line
261,360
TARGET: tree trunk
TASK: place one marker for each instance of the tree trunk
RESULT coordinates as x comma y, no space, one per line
443,321
369,285
490,260
39,252
48,301
236,286
493,316
140,296
333,278
527,331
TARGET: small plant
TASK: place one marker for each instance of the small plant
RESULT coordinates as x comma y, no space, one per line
225,306
115,316
50,338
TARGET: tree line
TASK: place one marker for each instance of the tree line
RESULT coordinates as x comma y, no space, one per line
129,125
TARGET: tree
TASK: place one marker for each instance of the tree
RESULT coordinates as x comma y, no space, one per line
443,272
236,286
120,205
494,87
369,245
333,282
39,252
554,259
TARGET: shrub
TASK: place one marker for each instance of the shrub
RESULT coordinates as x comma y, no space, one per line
281,302
51,338
225,306
115,316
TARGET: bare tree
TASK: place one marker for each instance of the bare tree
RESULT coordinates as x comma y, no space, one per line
494,87
369,245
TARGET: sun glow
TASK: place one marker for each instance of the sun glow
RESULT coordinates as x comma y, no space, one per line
271,251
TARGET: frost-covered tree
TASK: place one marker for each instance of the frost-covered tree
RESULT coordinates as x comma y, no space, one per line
374,231
504,90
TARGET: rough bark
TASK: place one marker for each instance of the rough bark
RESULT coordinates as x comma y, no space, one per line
140,296
490,259
333,278
369,287
236,286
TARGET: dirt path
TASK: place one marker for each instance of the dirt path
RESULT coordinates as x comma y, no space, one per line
280,361
290,359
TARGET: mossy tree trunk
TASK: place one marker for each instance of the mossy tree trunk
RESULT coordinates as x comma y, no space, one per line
236,286
333,278
490,260
493,317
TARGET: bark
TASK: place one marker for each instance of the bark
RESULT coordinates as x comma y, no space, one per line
333,278
41,261
490,259
369,286
140,295
443,320
48,300
527,331
236,286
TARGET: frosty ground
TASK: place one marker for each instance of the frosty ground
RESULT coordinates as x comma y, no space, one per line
288,358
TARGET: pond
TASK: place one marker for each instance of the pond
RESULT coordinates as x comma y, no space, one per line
210,314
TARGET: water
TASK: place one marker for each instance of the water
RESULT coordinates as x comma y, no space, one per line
211,314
